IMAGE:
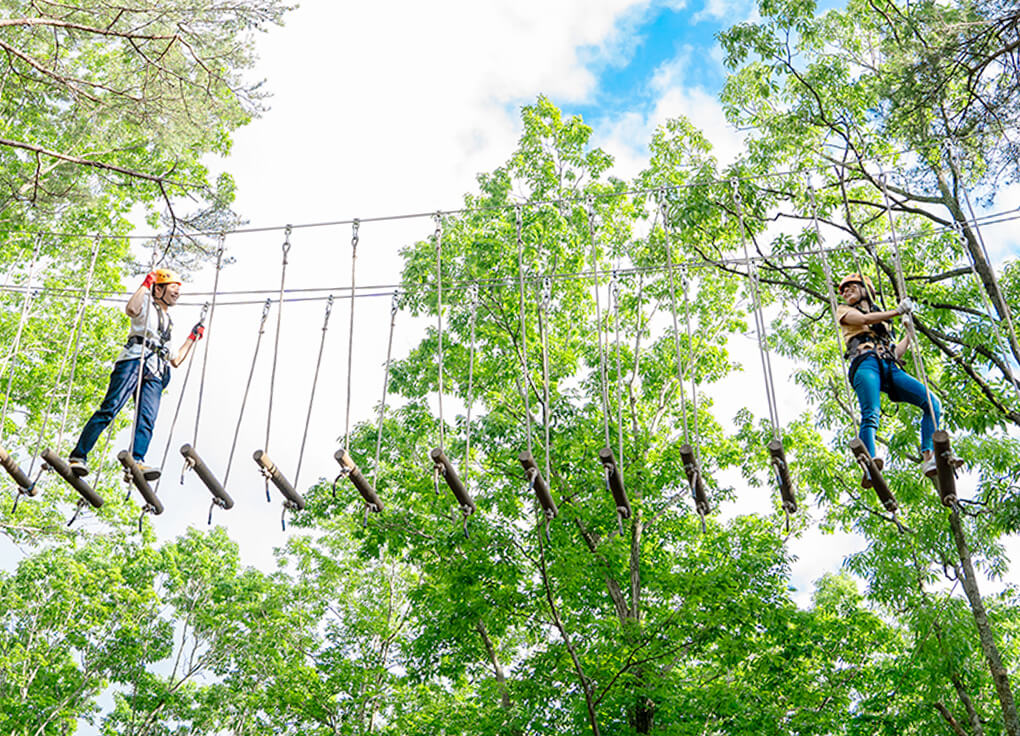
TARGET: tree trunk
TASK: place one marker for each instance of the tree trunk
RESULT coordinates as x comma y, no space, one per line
983,268
953,723
1000,677
968,704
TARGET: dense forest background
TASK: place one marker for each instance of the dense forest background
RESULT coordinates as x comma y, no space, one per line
578,311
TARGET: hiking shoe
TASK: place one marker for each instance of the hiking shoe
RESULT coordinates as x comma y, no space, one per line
78,467
930,469
866,480
148,472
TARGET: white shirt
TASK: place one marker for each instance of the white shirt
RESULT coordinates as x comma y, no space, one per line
152,323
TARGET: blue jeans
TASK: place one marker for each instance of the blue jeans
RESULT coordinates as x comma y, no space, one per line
123,381
869,376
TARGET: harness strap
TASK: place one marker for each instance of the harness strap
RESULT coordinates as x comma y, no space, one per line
160,349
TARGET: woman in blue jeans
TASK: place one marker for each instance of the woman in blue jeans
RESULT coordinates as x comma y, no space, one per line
875,366
148,338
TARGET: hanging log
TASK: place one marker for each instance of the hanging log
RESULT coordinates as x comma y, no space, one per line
867,463
360,482
134,472
220,496
614,478
694,478
537,482
293,498
56,462
8,463
778,459
446,469
945,468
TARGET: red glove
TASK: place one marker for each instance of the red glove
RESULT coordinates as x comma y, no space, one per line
197,332
150,279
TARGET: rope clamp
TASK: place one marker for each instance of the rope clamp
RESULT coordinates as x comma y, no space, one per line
286,242
395,302
329,309
355,224
735,186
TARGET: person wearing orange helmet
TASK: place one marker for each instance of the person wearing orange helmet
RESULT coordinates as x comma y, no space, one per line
148,341
875,365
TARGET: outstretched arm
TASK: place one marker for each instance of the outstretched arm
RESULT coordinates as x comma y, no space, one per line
182,353
134,305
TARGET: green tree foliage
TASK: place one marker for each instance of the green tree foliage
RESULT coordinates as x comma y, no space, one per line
562,328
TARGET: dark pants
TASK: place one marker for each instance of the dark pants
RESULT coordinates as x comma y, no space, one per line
871,375
123,381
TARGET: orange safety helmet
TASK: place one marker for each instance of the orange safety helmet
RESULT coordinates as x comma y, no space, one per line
859,278
166,276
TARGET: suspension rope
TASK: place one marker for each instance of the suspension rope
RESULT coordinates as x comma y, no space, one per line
205,351
544,331
350,334
177,410
603,378
141,359
685,280
831,292
614,296
76,340
759,317
438,217
672,307
25,304
276,345
473,298
901,287
311,397
77,337
394,307
526,382
247,386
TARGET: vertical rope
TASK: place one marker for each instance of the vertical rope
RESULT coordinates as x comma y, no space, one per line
438,217
247,387
205,351
79,315
350,333
901,287
315,382
759,318
603,379
831,292
276,343
526,383
473,297
394,306
544,322
614,294
672,309
77,339
684,278
177,411
17,336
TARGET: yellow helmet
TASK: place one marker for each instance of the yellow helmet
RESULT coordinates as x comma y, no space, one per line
857,278
166,276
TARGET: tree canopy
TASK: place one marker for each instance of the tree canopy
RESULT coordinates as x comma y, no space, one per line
574,312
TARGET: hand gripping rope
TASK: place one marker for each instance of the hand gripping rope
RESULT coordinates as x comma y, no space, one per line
777,455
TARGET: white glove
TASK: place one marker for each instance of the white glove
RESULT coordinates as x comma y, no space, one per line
905,307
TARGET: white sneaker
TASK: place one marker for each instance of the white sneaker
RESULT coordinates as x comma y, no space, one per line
78,467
